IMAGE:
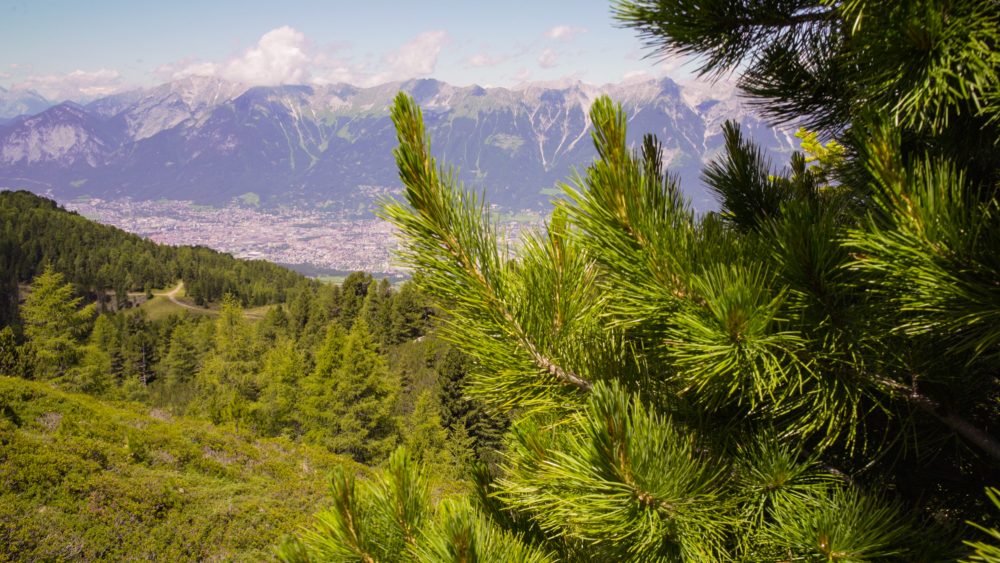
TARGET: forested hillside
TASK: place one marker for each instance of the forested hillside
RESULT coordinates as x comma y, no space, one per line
343,367
125,430
97,259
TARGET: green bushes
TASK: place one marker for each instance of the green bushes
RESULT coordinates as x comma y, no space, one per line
82,479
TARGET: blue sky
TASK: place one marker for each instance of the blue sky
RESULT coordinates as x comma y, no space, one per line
82,49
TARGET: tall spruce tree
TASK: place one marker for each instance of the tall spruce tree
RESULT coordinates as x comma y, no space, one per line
10,358
227,381
181,362
54,322
350,397
280,393
808,374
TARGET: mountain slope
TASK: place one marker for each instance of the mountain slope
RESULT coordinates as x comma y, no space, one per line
36,232
209,141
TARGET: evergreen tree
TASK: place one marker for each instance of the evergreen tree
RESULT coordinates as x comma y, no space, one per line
425,437
10,358
94,374
324,306
54,323
353,291
138,353
376,309
466,418
809,374
408,315
181,362
274,325
279,400
227,383
351,398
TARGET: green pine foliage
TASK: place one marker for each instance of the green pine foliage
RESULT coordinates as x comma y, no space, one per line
987,552
392,518
807,374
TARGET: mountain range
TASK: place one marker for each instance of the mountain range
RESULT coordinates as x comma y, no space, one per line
210,141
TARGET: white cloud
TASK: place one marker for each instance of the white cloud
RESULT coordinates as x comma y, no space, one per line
284,56
185,68
418,57
671,63
674,66
414,59
482,60
4,75
335,71
564,32
78,85
548,59
279,57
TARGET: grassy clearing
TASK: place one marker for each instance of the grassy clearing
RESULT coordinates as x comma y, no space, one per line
256,313
160,307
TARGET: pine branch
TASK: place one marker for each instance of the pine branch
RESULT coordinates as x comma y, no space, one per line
722,33
621,479
453,244
970,432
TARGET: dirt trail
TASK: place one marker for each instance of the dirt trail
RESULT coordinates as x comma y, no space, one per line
172,296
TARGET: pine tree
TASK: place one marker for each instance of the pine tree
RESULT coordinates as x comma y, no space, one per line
227,381
350,397
138,355
279,399
54,323
178,367
376,310
353,291
274,325
467,419
425,437
94,375
807,374
408,315
10,358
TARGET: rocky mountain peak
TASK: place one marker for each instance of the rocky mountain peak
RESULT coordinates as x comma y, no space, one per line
15,102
